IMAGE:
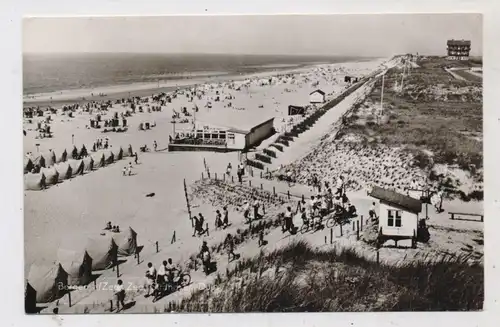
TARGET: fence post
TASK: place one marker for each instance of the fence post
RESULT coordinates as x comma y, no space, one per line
232,179
261,186
378,257
361,222
331,235
202,177
263,208
357,230
173,238
111,305
117,269
341,233
288,194
325,239
69,298
208,234
223,177
250,183
157,247
138,258
215,176
303,198
353,226
261,174
274,190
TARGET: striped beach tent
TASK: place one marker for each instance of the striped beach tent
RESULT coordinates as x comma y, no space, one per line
28,165
50,158
99,159
29,299
129,152
63,157
118,153
39,161
109,157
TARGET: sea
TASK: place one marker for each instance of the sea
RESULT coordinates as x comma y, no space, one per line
45,73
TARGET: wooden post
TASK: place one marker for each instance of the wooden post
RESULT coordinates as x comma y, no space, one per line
353,226
357,230
263,208
261,186
482,218
202,177
111,305
157,247
325,239
331,235
232,179
69,298
452,216
341,233
261,174
378,257
117,265
361,222
303,198
187,203
208,234
173,239
274,190
195,265
215,176
138,258
224,177
250,183
288,194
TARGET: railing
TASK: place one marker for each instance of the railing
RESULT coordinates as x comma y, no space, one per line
196,141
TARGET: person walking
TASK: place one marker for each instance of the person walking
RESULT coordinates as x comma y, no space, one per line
256,205
225,222
120,295
155,145
130,168
136,158
218,219
150,279
229,245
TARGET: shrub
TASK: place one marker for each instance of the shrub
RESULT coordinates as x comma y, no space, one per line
422,161
270,153
476,195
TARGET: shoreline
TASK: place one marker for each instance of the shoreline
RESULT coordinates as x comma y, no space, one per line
114,92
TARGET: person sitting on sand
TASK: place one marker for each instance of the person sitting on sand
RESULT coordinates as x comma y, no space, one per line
246,211
352,210
108,226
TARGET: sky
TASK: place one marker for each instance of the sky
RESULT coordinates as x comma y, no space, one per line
370,35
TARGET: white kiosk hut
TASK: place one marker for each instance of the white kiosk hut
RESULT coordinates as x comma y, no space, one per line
317,96
398,215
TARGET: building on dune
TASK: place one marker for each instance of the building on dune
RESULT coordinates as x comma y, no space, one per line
317,96
398,215
222,133
458,49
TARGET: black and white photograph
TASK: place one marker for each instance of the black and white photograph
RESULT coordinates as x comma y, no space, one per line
253,163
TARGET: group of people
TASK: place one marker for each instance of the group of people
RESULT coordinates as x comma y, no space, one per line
246,210
162,279
127,170
112,228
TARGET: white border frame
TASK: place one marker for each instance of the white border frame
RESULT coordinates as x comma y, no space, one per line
11,197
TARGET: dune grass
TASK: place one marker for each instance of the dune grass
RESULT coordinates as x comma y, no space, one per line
449,126
299,278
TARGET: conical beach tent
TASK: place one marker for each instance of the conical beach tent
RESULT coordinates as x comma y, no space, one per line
88,164
49,282
99,160
29,299
64,170
51,176
129,152
63,157
118,153
28,165
77,167
103,251
34,182
127,242
109,157
39,161
50,158
78,265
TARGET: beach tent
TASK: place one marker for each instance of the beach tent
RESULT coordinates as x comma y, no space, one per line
50,158
29,299
51,176
77,167
34,182
126,241
109,157
88,164
40,161
28,165
78,265
103,251
129,152
118,153
99,160
49,282
63,157
64,170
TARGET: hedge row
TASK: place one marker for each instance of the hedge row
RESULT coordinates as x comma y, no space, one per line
263,158
270,153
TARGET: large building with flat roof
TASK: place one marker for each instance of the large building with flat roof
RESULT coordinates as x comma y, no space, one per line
237,132
458,49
